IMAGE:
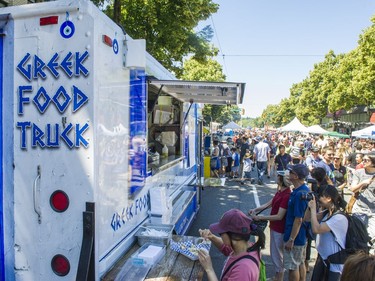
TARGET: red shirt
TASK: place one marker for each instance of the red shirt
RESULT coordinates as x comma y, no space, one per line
280,200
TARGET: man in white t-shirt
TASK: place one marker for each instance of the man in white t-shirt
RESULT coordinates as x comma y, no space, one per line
261,156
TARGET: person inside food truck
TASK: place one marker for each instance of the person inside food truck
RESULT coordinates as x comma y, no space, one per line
235,229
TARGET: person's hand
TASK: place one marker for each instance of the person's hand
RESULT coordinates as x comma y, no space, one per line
289,245
312,204
206,234
251,212
256,218
205,259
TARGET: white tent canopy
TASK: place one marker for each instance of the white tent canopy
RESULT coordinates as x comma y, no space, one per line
368,132
232,126
316,129
294,126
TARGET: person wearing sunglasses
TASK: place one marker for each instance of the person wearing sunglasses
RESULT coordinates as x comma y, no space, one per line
364,183
339,172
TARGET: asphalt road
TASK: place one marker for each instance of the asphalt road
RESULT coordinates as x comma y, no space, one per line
217,200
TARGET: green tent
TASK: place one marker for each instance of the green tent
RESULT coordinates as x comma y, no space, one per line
338,135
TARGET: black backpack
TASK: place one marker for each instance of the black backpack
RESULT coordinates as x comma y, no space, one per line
357,239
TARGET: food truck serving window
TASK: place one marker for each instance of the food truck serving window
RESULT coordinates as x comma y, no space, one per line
169,105
220,93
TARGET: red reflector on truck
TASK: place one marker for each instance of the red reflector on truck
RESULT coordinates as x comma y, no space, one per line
60,265
107,40
49,20
59,201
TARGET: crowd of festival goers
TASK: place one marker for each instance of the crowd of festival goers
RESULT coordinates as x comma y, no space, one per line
312,174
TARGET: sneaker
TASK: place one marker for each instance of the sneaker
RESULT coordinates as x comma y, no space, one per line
260,182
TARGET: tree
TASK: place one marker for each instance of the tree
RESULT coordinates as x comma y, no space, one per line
168,27
343,96
364,75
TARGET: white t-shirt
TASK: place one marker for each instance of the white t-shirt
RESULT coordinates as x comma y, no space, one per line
262,149
326,244
247,164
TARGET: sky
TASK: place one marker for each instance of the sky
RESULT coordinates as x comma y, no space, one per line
272,44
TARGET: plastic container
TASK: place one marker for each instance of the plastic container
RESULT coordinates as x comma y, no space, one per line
157,158
148,254
157,240
134,272
164,151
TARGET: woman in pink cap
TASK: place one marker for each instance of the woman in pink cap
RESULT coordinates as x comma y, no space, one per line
243,262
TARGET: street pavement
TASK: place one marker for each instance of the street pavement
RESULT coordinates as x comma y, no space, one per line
217,200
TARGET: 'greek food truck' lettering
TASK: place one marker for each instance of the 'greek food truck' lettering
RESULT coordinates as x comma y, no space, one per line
32,67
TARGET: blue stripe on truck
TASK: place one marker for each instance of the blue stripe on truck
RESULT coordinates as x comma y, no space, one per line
2,258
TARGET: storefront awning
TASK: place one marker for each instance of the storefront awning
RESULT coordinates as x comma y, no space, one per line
219,93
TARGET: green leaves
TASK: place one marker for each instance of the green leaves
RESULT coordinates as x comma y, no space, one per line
168,27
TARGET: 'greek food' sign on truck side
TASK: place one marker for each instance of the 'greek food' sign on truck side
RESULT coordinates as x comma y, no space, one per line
62,97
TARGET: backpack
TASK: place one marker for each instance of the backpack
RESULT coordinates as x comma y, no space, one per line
262,267
357,239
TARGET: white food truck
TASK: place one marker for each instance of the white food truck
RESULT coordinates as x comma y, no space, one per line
97,138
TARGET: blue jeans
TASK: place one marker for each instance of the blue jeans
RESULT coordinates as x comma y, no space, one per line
261,165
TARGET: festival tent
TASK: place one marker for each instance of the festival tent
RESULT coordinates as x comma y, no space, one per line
368,132
316,129
294,126
232,126
338,135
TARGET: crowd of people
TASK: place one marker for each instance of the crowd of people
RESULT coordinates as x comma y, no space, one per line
311,173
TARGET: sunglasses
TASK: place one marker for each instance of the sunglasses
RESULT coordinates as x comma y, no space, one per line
331,154
337,158
366,160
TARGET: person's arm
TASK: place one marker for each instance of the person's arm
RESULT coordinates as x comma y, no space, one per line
359,185
278,217
216,240
205,260
260,208
255,153
290,159
295,229
316,227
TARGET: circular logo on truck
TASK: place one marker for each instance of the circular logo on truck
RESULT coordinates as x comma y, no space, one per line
115,46
67,29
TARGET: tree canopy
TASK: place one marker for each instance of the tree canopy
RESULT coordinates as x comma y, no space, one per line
340,81
168,27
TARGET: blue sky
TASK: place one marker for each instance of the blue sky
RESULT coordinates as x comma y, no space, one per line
265,29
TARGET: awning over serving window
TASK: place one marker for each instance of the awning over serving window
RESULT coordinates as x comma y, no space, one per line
220,93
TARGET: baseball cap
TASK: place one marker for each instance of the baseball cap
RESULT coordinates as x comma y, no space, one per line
234,221
315,149
299,169
258,138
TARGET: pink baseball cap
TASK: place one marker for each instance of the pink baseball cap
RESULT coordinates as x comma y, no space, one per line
234,221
